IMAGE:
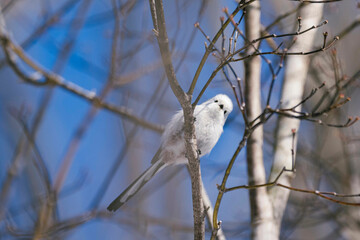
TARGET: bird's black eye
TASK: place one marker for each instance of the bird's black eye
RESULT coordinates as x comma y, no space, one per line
216,101
221,106
225,112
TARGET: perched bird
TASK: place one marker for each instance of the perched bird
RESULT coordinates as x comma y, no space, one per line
210,118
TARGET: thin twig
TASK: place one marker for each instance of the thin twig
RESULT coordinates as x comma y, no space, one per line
44,77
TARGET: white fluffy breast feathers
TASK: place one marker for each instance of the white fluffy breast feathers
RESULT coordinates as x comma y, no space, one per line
212,112
210,118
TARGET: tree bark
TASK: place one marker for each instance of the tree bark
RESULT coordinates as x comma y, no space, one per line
261,209
157,12
292,92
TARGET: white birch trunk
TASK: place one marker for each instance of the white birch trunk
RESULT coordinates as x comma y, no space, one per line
292,93
261,209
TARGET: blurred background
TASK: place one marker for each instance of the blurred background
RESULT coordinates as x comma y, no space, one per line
53,138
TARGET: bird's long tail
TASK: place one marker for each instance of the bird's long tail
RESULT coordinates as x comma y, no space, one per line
136,185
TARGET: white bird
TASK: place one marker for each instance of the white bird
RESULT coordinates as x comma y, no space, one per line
210,118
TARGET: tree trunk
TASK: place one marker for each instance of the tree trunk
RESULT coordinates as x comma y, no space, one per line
261,211
292,92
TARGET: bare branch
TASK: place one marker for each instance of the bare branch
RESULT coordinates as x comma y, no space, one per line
157,12
44,77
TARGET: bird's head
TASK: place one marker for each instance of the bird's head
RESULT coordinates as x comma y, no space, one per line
220,106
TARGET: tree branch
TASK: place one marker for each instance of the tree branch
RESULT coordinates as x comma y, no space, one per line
157,12
43,77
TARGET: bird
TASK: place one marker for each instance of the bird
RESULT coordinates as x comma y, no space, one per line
210,117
